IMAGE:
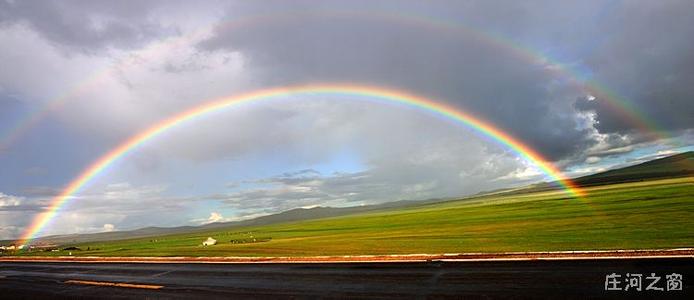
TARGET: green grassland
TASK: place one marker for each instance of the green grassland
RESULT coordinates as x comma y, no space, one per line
643,215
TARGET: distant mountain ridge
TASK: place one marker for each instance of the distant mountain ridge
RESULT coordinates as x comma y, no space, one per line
296,214
679,165
674,166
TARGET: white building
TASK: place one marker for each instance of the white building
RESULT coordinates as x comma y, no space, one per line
209,242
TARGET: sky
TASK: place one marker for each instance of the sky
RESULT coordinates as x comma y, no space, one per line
590,85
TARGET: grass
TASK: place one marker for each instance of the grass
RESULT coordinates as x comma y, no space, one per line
642,215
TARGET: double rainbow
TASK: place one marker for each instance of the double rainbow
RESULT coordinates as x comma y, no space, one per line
624,109
353,91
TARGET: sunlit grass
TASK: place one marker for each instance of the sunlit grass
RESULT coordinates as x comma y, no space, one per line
643,215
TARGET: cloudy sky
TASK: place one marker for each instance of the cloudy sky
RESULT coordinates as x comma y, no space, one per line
588,84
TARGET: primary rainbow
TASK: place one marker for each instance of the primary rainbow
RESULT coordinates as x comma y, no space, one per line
361,91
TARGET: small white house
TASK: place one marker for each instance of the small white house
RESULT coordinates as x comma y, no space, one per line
209,242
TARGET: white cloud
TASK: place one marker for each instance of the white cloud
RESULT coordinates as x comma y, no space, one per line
124,192
593,159
113,92
121,206
9,200
587,171
109,227
667,152
524,174
214,218
10,232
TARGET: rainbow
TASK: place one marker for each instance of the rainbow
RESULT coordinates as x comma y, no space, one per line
616,103
368,92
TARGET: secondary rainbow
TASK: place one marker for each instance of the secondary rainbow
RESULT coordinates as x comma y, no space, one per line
614,101
360,91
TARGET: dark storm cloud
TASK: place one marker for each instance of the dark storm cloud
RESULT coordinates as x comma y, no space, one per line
648,60
86,25
642,52
489,81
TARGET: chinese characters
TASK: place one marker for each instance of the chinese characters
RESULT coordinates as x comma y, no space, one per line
635,282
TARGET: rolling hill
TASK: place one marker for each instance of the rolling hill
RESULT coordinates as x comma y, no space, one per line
679,165
286,216
653,214
674,166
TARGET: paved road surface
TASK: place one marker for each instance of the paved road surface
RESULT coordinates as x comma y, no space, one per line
544,279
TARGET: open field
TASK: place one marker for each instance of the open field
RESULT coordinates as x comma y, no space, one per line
653,214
